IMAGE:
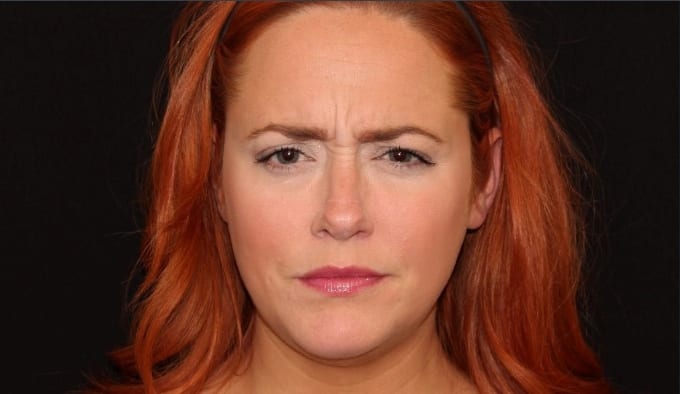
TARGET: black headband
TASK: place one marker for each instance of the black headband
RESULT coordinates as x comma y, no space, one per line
478,32
225,27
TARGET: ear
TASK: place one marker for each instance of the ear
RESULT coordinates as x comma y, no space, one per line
217,183
218,189
221,204
483,198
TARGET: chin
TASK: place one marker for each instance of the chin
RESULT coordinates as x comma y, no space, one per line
337,353
336,340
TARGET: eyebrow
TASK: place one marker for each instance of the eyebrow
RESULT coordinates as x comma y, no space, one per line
391,133
293,132
298,133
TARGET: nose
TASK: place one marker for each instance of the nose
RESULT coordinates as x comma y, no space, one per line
343,212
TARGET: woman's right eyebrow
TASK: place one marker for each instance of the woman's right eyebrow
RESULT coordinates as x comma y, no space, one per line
301,133
296,133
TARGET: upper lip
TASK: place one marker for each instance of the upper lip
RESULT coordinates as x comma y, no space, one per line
341,272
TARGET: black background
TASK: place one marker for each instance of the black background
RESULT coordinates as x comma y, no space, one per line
76,82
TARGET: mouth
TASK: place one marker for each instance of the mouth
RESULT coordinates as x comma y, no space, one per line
336,281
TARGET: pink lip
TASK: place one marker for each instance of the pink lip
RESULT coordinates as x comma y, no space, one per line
336,281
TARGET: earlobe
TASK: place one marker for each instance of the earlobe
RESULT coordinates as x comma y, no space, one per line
221,205
485,195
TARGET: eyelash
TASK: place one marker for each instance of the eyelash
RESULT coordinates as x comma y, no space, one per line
421,158
266,158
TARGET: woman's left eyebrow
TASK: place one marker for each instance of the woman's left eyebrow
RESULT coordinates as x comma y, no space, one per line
299,133
391,133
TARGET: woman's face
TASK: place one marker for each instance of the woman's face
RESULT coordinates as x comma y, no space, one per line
346,181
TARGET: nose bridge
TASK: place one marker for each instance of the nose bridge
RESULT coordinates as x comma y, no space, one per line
343,182
343,214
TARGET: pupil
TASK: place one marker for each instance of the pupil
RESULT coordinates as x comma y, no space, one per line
288,155
400,155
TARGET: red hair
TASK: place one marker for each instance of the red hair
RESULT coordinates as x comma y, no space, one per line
508,316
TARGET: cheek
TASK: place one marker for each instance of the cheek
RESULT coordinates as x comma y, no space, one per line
264,226
426,227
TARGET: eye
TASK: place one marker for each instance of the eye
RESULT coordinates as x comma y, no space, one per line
285,158
400,155
287,155
406,157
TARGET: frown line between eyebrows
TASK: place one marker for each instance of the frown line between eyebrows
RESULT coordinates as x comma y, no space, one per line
299,133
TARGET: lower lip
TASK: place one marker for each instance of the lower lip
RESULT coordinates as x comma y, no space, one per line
341,286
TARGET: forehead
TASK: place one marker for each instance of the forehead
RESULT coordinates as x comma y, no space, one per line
331,59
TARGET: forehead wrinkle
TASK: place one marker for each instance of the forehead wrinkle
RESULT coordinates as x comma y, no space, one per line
356,102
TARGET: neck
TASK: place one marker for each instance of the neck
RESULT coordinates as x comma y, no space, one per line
415,365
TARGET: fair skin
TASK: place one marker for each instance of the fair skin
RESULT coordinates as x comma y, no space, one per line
344,150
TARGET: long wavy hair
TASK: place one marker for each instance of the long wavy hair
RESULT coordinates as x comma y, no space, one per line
508,316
